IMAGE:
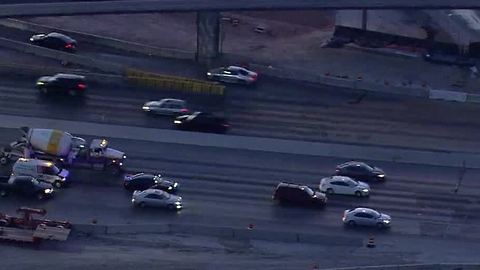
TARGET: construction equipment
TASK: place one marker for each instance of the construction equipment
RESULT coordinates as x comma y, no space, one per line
28,229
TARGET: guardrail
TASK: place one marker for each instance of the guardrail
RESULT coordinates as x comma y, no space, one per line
100,40
439,266
172,82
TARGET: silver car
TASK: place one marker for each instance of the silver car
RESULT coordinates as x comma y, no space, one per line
156,198
233,74
344,185
166,106
366,217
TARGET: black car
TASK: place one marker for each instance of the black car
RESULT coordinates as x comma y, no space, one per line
71,84
55,41
287,193
143,181
26,186
201,121
360,171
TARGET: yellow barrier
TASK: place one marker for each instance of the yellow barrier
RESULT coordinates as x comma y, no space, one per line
173,82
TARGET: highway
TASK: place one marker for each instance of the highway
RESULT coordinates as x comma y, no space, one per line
233,188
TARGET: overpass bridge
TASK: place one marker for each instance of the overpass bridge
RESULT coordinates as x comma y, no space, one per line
208,22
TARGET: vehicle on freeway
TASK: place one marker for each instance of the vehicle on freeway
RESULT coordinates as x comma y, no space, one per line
288,193
344,185
201,121
62,148
143,181
25,185
71,84
55,41
233,74
366,217
360,171
42,170
166,106
156,198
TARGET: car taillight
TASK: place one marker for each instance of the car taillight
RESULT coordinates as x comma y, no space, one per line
226,125
68,46
81,86
184,110
254,76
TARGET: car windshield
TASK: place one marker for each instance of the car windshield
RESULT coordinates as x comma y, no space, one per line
309,191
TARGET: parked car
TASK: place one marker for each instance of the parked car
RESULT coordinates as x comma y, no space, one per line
156,198
366,217
55,41
26,186
360,171
233,74
288,193
201,121
71,84
344,185
166,106
143,181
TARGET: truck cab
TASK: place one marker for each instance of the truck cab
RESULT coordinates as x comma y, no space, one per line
100,156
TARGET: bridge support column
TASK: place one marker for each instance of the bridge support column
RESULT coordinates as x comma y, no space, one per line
208,35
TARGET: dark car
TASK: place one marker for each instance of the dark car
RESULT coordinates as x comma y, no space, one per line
26,186
144,181
55,41
201,121
360,171
287,193
71,84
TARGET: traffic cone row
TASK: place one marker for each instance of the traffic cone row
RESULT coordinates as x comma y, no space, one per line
371,242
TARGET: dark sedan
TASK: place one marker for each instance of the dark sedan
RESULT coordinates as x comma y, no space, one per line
143,181
201,121
55,41
360,171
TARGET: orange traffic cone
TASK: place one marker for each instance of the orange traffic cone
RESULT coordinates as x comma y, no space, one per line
371,241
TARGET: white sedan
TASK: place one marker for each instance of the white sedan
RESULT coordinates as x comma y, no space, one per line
344,185
233,74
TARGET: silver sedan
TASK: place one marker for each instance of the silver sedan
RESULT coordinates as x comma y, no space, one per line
233,74
156,198
166,106
366,217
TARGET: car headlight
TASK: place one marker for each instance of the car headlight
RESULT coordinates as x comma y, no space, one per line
209,74
40,83
146,108
177,122
175,185
365,190
381,175
170,188
133,200
386,221
178,203
48,191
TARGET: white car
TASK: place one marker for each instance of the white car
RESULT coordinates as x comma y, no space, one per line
156,198
366,217
233,74
344,185
166,106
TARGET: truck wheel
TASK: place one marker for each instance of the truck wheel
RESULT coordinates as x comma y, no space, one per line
3,193
58,184
3,160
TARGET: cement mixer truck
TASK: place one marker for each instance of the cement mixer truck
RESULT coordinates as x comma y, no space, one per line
67,150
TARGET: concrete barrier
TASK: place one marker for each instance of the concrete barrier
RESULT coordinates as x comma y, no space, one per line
274,236
100,40
62,56
473,98
197,229
441,266
448,95
329,240
137,228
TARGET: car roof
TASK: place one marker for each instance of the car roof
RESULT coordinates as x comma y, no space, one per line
353,163
172,100
339,178
154,191
364,210
69,76
60,36
291,185
140,175
237,68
